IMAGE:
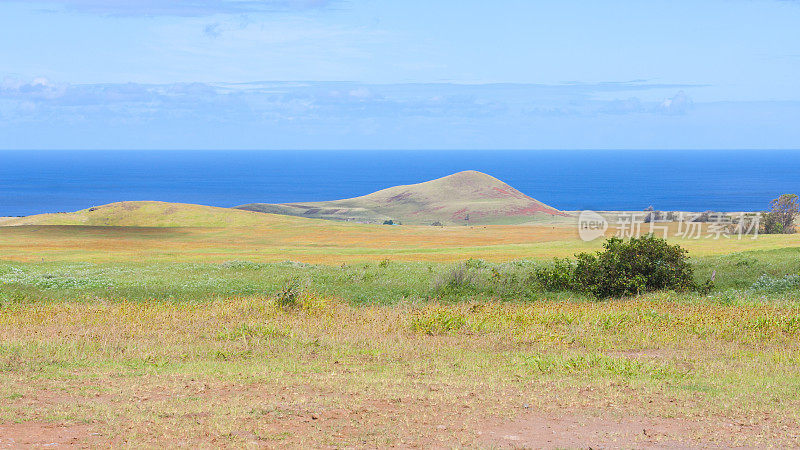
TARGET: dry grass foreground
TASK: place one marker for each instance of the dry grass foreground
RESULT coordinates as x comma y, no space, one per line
667,369
660,370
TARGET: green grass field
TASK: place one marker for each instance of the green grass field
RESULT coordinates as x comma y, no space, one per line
153,334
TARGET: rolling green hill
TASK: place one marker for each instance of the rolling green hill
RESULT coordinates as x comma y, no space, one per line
468,197
150,214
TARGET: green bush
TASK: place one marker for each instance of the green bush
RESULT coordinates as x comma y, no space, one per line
557,277
631,267
640,265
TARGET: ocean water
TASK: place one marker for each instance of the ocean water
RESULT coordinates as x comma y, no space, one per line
33,182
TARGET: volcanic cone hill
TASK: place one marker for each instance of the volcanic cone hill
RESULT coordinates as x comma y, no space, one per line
468,197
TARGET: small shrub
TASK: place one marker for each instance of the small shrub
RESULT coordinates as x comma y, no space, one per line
384,263
457,280
289,295
474,263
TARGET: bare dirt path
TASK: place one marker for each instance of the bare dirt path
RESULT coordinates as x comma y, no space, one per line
48,435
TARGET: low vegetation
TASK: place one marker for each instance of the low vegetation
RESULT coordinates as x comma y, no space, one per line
389,282
200,336
239,371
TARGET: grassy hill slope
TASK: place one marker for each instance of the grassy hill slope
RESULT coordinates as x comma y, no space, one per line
468,197
151,214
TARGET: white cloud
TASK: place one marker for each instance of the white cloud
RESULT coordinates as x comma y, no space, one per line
360,93
44,114
680,103
40,100
39,88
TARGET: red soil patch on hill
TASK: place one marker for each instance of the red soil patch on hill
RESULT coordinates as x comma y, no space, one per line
531,210
505,193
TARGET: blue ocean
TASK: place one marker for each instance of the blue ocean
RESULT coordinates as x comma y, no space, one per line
33,182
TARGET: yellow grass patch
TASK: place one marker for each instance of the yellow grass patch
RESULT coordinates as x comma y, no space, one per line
316,241
242,370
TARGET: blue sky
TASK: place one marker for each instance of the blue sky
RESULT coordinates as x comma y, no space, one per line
399,74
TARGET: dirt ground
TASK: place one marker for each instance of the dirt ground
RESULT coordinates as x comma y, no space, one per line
414,423
531,430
